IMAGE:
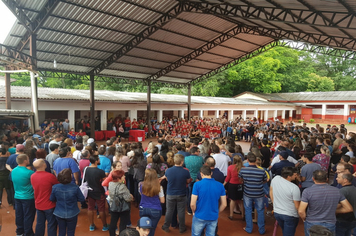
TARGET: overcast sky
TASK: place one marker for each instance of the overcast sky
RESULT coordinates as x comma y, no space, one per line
7,19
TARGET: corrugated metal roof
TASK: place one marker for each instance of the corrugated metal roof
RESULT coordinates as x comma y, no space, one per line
20,92
93,31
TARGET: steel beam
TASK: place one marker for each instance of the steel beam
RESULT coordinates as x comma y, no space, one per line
19,14
16,59
7,91
189,100
196,53
38,22
92,107
148,117
164,19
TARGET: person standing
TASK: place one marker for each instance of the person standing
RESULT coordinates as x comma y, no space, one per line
193,163
285,196
42,183
66,161
205,203
306,173
94,176
253,178
177,178
222,161
277,168
4,177
347,221
66,195
53,155
322,201
25,210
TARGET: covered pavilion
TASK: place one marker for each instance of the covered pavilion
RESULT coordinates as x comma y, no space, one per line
171,42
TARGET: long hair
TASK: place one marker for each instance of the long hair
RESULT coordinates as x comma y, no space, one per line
238,163
150,186
326,150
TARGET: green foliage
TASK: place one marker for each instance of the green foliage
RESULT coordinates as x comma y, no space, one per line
317,83
311,121
301,121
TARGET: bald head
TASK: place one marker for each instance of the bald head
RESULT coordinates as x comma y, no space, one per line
210,162
40,165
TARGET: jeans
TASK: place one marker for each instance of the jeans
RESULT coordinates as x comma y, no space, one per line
67,226
154,215
248,204
288,223
25,212
199,225
172,202
124,221
344,228
307,226
248,136
189,196
42,216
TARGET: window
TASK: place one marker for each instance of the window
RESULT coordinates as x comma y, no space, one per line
211,113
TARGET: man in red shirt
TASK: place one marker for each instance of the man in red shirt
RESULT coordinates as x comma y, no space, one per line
127,124
134,124
42,183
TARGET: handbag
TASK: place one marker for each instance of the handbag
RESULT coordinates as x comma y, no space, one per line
118,203
84,187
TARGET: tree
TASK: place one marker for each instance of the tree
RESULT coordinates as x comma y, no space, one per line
317,83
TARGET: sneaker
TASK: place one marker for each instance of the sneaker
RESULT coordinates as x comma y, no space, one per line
183,231
91,227
166,229
105,228
189,213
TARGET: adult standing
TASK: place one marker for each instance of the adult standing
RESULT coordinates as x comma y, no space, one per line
306,173
25,210
118,188
222,160
277,168
105,163
66,195
42,183
10,165
316,198
285,196
152,196
253,178
54,148
193,163
347,221
205,203
66,127
4,176
94,176
66,161
177,178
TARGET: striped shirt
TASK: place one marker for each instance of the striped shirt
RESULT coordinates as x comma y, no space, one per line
253,181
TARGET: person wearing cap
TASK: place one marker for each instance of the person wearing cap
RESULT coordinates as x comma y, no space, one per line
144,226
205,203
277,168
11,164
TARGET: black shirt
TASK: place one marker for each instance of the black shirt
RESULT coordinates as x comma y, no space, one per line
266,156
94,177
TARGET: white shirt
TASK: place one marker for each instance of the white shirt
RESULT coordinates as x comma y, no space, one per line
222,162
290,159
77,155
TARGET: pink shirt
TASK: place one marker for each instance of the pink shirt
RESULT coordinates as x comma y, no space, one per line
125,161
82,164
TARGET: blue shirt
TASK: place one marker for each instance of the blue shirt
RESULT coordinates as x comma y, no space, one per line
11,161
185,154
215,174
277,168
66,197
105,164
193,163
254,179
62,163
21,177
177,178
209,192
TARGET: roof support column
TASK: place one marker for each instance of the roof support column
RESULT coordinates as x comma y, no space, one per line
231,115
323,111
275,114
189,100
346,111
92,107
283,115
34,92
290,115
266,115
148,117
7,91
202,114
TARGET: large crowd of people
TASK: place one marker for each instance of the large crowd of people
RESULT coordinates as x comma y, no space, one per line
192,166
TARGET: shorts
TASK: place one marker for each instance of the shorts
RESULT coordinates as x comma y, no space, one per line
235,191
100,203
